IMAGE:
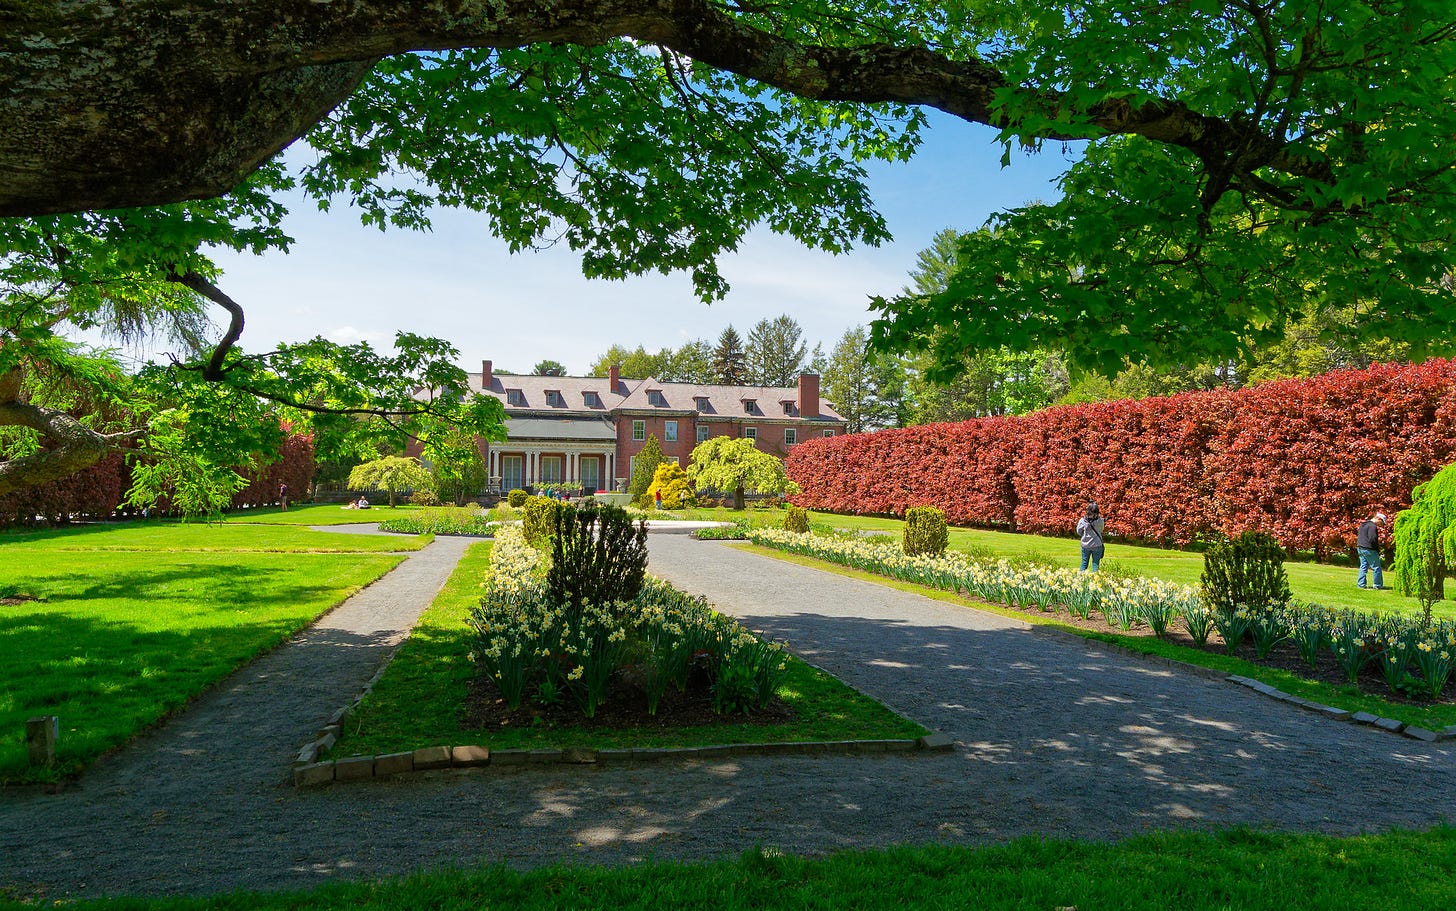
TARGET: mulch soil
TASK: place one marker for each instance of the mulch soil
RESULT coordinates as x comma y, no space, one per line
624,708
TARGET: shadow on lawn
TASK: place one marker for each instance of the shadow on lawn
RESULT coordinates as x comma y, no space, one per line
164,635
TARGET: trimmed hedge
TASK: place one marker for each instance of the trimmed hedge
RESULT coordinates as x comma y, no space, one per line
925,532
796,519
1303,460
516,498
91,493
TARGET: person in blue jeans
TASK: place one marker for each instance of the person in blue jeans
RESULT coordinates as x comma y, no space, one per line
1367,542
1089,529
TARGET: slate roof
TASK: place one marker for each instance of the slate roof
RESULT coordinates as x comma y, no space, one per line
560,429
633,395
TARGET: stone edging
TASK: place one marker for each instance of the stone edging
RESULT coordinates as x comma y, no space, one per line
308,771
1329,711
358,768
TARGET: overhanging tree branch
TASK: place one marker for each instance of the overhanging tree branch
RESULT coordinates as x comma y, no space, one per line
99,135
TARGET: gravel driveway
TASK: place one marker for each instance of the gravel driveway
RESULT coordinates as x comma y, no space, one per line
1052,737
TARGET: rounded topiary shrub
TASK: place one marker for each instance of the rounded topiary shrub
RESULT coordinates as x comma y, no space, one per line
1248,572
925,531
797,520
516,498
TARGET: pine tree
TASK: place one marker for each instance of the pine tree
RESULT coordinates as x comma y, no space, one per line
775,352
728,364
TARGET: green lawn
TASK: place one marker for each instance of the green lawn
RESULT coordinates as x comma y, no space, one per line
417,702
1249,871
1332,586
315,514
132,621
192,537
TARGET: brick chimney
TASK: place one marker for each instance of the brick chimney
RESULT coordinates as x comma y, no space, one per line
808,395
614,376
486,376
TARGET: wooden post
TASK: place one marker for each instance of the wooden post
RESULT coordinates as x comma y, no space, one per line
41,735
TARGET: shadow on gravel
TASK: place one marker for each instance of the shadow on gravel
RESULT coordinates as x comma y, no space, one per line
1085,727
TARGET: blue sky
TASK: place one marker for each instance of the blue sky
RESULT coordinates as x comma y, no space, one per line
349,282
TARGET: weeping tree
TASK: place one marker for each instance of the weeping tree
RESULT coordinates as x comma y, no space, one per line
1425,539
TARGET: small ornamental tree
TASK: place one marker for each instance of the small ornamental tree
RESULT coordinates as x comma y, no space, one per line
391,474
1425,538
456,464
672,482
644,467
723,463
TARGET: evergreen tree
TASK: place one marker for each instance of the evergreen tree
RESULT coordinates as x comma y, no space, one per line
867,390
644,467
775,352
728,364
549,368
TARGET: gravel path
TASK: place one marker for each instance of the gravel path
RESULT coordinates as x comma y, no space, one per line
1053,737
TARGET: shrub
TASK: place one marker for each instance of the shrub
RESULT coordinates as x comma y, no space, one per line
538,522
925,531
644,468
1245,572
671,480
797,519
597,557
516,498
424,497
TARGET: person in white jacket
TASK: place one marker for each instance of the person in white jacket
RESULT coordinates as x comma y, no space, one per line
1089,529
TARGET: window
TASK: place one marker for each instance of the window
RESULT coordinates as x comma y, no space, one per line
749,405
829,433
702,403
639,430
788,407
669,431
655,399
751,433
702,433
553,398
591,400
515,397
791,436
551,469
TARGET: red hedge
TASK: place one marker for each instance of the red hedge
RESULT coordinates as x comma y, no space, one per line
1301,459
91,493
294,467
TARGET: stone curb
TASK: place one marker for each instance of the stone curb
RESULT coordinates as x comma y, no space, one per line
1338,714
359,768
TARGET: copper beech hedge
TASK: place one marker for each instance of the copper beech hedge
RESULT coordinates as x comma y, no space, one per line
1303,460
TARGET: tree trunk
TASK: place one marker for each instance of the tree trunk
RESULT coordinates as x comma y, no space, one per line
738,498
154,101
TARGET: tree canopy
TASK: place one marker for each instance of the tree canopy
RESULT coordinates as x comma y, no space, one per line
729,464
1245,166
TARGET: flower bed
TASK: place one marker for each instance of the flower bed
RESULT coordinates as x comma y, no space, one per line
1412,658
663,640
442,520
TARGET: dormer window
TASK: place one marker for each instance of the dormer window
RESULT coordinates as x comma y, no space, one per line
656,399
789,408
702,403
554,399
750,406
516,397
591,400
